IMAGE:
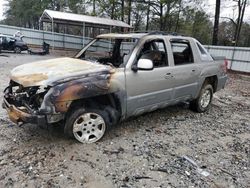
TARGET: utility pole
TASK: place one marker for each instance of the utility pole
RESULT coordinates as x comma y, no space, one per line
216,23
242,6
94,8
148,12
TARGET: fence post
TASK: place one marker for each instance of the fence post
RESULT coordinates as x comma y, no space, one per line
64,40
232,59
43,36
53,34
83,34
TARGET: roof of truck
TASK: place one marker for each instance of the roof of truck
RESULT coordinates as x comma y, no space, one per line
140,35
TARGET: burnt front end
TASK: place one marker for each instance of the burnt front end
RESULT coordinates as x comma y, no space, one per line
42,92
49,104
23,104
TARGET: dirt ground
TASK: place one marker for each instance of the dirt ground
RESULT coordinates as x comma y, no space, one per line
157,149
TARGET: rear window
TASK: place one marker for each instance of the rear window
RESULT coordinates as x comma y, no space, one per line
182,52
201,49
205,56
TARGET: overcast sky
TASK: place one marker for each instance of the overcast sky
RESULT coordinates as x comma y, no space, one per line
1,8
228,9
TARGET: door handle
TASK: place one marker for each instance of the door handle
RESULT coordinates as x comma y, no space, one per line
168,75
193,70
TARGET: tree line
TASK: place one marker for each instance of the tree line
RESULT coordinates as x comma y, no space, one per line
186,17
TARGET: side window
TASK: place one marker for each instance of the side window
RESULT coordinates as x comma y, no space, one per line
201,49
182,52
8,39
4,40
205,56
155,50
160,46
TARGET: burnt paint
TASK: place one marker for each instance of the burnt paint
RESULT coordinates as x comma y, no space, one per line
63,94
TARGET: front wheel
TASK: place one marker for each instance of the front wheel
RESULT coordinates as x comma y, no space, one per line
17,50
86,125
202,103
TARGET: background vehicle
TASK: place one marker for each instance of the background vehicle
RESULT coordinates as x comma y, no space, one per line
11,43
116,76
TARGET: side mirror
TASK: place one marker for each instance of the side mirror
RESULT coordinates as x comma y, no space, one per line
143,64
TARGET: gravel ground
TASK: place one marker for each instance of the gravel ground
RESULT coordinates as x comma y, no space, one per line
173,147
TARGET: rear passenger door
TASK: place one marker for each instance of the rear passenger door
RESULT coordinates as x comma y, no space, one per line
185,70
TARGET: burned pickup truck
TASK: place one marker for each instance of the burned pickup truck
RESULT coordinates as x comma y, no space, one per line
114,77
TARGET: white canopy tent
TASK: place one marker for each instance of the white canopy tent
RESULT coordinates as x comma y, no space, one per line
84,21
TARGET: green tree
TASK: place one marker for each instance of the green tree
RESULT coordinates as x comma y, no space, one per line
24,13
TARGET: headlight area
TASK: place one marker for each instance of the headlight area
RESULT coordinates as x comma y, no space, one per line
28,99
36,104
23,103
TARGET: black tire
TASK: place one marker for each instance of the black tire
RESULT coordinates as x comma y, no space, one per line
198,105
77,113
17,50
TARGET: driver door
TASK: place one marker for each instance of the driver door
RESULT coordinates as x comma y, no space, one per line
148,90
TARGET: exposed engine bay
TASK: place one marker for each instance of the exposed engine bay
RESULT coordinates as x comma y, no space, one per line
29,97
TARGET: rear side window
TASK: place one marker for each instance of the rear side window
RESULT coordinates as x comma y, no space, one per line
205,56
201,49
182,52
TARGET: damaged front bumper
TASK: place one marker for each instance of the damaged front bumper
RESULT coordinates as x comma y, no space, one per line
20,115
34,104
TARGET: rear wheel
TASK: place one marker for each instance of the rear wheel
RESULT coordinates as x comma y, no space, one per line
87,125
202,103
17,50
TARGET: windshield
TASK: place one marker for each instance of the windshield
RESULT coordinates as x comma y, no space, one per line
108,51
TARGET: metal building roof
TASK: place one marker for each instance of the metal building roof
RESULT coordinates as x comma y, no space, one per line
64,16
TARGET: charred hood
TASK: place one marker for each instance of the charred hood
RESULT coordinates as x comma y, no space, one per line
50,72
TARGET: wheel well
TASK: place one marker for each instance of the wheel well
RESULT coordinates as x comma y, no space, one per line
103,102
213,80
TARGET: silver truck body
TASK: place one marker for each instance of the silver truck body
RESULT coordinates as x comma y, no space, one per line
129,90
150,90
